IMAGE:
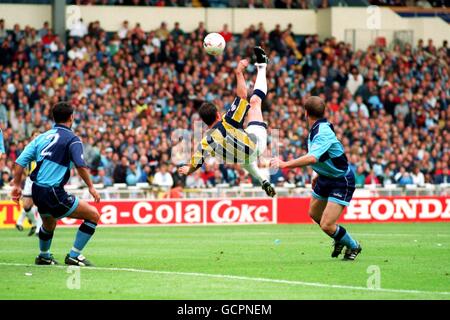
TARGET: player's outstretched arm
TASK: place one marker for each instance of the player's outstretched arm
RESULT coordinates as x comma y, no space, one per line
303,161
197,159
16,192
27,155
241,89
84,174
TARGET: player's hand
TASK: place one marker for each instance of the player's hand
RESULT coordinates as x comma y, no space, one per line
94,194
16,194
277,163
314,181
242,65
184,170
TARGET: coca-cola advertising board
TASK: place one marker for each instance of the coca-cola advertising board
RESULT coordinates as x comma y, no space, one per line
250,211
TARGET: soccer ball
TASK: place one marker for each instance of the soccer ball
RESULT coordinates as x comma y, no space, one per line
214,44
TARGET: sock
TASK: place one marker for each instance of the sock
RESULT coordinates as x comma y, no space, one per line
254,171
341,235
45,241
260,88
84,233
21,218
38,220
30,215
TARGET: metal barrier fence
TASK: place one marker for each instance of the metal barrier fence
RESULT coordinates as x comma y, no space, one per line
151,192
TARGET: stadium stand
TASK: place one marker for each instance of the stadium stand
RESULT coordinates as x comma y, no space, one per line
133,88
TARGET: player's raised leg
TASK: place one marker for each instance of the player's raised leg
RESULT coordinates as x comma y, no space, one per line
256,125
29,210
90,215
45,241
328,223
20,220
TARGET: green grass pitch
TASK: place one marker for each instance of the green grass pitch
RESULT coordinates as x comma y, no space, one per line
233,262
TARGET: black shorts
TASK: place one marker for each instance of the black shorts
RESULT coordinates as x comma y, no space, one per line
338,190
54,201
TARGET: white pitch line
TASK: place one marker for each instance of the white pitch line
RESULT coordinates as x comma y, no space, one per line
243,278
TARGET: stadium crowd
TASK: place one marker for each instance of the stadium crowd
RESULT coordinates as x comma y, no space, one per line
134,88
279,4
268,4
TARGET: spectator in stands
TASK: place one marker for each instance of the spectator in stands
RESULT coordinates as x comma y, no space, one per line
162,177
403,177
78,29
226,34
5,178
176,192
358,108
195,180
371,179
176,31
402,108
3,33
388,177
360,177
355,79
133,174
102,178
441,173
162,32
201,31
124,30
418,177
120,171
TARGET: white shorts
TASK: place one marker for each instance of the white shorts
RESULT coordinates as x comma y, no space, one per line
27,188
259,131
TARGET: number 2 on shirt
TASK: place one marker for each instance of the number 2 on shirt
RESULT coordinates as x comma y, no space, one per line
54,137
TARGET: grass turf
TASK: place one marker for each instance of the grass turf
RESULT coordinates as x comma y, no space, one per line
409,256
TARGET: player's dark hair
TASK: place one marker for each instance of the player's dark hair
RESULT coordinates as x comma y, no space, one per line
208,113
62,111
315,107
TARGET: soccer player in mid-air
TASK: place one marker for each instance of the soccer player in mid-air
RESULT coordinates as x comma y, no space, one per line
334,186
227,138
55,152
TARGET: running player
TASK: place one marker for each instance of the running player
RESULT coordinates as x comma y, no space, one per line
226,138
29,210
334,186
55,152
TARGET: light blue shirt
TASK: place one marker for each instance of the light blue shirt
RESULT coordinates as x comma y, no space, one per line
327,149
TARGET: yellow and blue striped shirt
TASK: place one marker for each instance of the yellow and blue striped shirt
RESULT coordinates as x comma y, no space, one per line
227,140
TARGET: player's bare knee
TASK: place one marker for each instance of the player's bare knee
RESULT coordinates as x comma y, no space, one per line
94,216
314,216
49,224
255,101
27,203
327,227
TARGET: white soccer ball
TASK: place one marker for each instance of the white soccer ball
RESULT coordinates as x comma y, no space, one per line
214,44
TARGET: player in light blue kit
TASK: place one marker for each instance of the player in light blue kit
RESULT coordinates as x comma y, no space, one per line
56,152
334,186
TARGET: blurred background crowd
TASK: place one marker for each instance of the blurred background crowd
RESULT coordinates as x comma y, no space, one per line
132,89
268,4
